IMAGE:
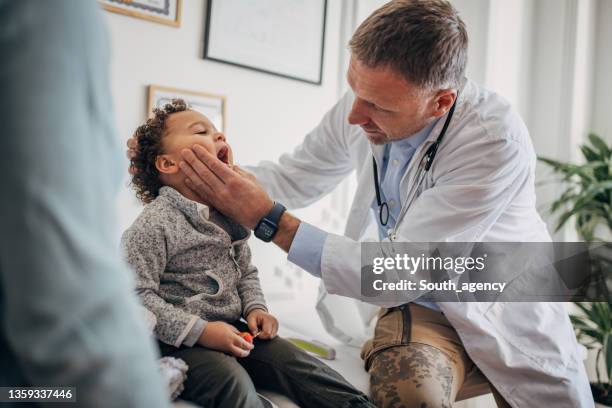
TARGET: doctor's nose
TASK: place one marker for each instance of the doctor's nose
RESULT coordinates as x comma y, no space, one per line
356,116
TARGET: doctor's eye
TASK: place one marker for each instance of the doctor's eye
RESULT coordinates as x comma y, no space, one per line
379,109
376,107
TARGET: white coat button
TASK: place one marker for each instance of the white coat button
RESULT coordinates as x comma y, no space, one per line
395,162
392,203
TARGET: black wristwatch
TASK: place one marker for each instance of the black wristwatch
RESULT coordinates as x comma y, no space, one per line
268,225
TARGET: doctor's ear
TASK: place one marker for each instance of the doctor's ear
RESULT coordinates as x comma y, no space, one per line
166,164
443,101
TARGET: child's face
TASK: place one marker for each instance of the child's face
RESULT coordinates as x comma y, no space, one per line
187,128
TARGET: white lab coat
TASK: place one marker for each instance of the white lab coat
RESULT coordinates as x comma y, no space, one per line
480,188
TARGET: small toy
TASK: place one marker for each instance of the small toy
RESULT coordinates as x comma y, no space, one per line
248,336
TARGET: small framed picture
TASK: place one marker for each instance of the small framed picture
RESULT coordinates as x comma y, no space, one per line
280,37
160,11
210,105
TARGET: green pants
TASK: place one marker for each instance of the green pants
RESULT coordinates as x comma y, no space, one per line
216,379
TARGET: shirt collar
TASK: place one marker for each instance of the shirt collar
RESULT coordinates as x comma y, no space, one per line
414,141
189,207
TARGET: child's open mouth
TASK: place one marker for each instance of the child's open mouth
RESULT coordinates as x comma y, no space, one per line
223,154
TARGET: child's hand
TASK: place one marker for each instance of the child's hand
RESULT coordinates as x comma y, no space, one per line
224,337
264,323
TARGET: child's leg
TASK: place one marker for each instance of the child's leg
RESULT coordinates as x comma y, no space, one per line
214,379
278,365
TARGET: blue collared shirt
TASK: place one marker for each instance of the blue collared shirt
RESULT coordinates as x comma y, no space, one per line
307,247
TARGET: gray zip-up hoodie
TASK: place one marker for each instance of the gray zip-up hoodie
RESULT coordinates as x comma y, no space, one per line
192,265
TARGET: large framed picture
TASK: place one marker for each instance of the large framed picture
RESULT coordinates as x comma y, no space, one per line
281,37
210,105
160,11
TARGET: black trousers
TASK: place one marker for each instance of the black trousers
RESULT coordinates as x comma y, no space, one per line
216,379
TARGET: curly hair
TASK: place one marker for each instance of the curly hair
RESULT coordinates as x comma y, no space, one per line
145,176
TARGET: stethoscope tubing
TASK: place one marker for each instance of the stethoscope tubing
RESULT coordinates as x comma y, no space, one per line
424,166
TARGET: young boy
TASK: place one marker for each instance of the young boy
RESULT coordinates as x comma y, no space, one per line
193,272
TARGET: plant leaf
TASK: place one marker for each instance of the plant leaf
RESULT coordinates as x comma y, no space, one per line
589,154
588,310
599,144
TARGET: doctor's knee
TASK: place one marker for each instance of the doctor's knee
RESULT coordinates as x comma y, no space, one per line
415,376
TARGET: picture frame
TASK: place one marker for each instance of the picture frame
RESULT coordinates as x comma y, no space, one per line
211,105
159,11
279,37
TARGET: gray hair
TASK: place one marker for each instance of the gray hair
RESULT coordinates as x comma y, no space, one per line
424,40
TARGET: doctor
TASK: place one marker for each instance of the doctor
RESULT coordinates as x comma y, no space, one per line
410,98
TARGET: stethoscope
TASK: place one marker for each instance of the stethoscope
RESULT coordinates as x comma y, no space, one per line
424,166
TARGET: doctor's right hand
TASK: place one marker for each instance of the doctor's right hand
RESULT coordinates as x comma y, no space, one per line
224,337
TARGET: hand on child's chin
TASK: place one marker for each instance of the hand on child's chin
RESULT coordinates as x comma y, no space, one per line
244,173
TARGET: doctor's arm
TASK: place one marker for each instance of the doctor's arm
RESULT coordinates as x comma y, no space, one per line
466,200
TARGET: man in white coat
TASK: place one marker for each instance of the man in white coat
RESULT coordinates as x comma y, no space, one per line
406,73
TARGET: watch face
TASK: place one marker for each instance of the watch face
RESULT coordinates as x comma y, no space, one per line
265,230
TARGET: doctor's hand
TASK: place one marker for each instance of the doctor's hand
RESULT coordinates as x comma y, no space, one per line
262,324
234,192
132,151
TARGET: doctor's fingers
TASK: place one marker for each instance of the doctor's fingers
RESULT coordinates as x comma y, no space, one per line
244,173
220,169
196,184
199,172
132,148
202,190
132,143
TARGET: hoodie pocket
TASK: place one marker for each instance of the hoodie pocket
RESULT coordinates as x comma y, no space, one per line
211,288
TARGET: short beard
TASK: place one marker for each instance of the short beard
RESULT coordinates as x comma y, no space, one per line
381,141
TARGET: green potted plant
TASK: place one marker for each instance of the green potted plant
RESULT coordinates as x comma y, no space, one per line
587,198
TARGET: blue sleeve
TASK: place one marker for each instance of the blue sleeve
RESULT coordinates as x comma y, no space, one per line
307,248
70,316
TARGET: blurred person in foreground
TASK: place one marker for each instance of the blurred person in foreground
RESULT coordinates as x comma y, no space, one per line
68,313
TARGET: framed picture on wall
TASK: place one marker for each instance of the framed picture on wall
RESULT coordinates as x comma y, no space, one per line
212,106
160,11
280,37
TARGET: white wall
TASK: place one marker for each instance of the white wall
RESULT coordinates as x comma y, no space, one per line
602,82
